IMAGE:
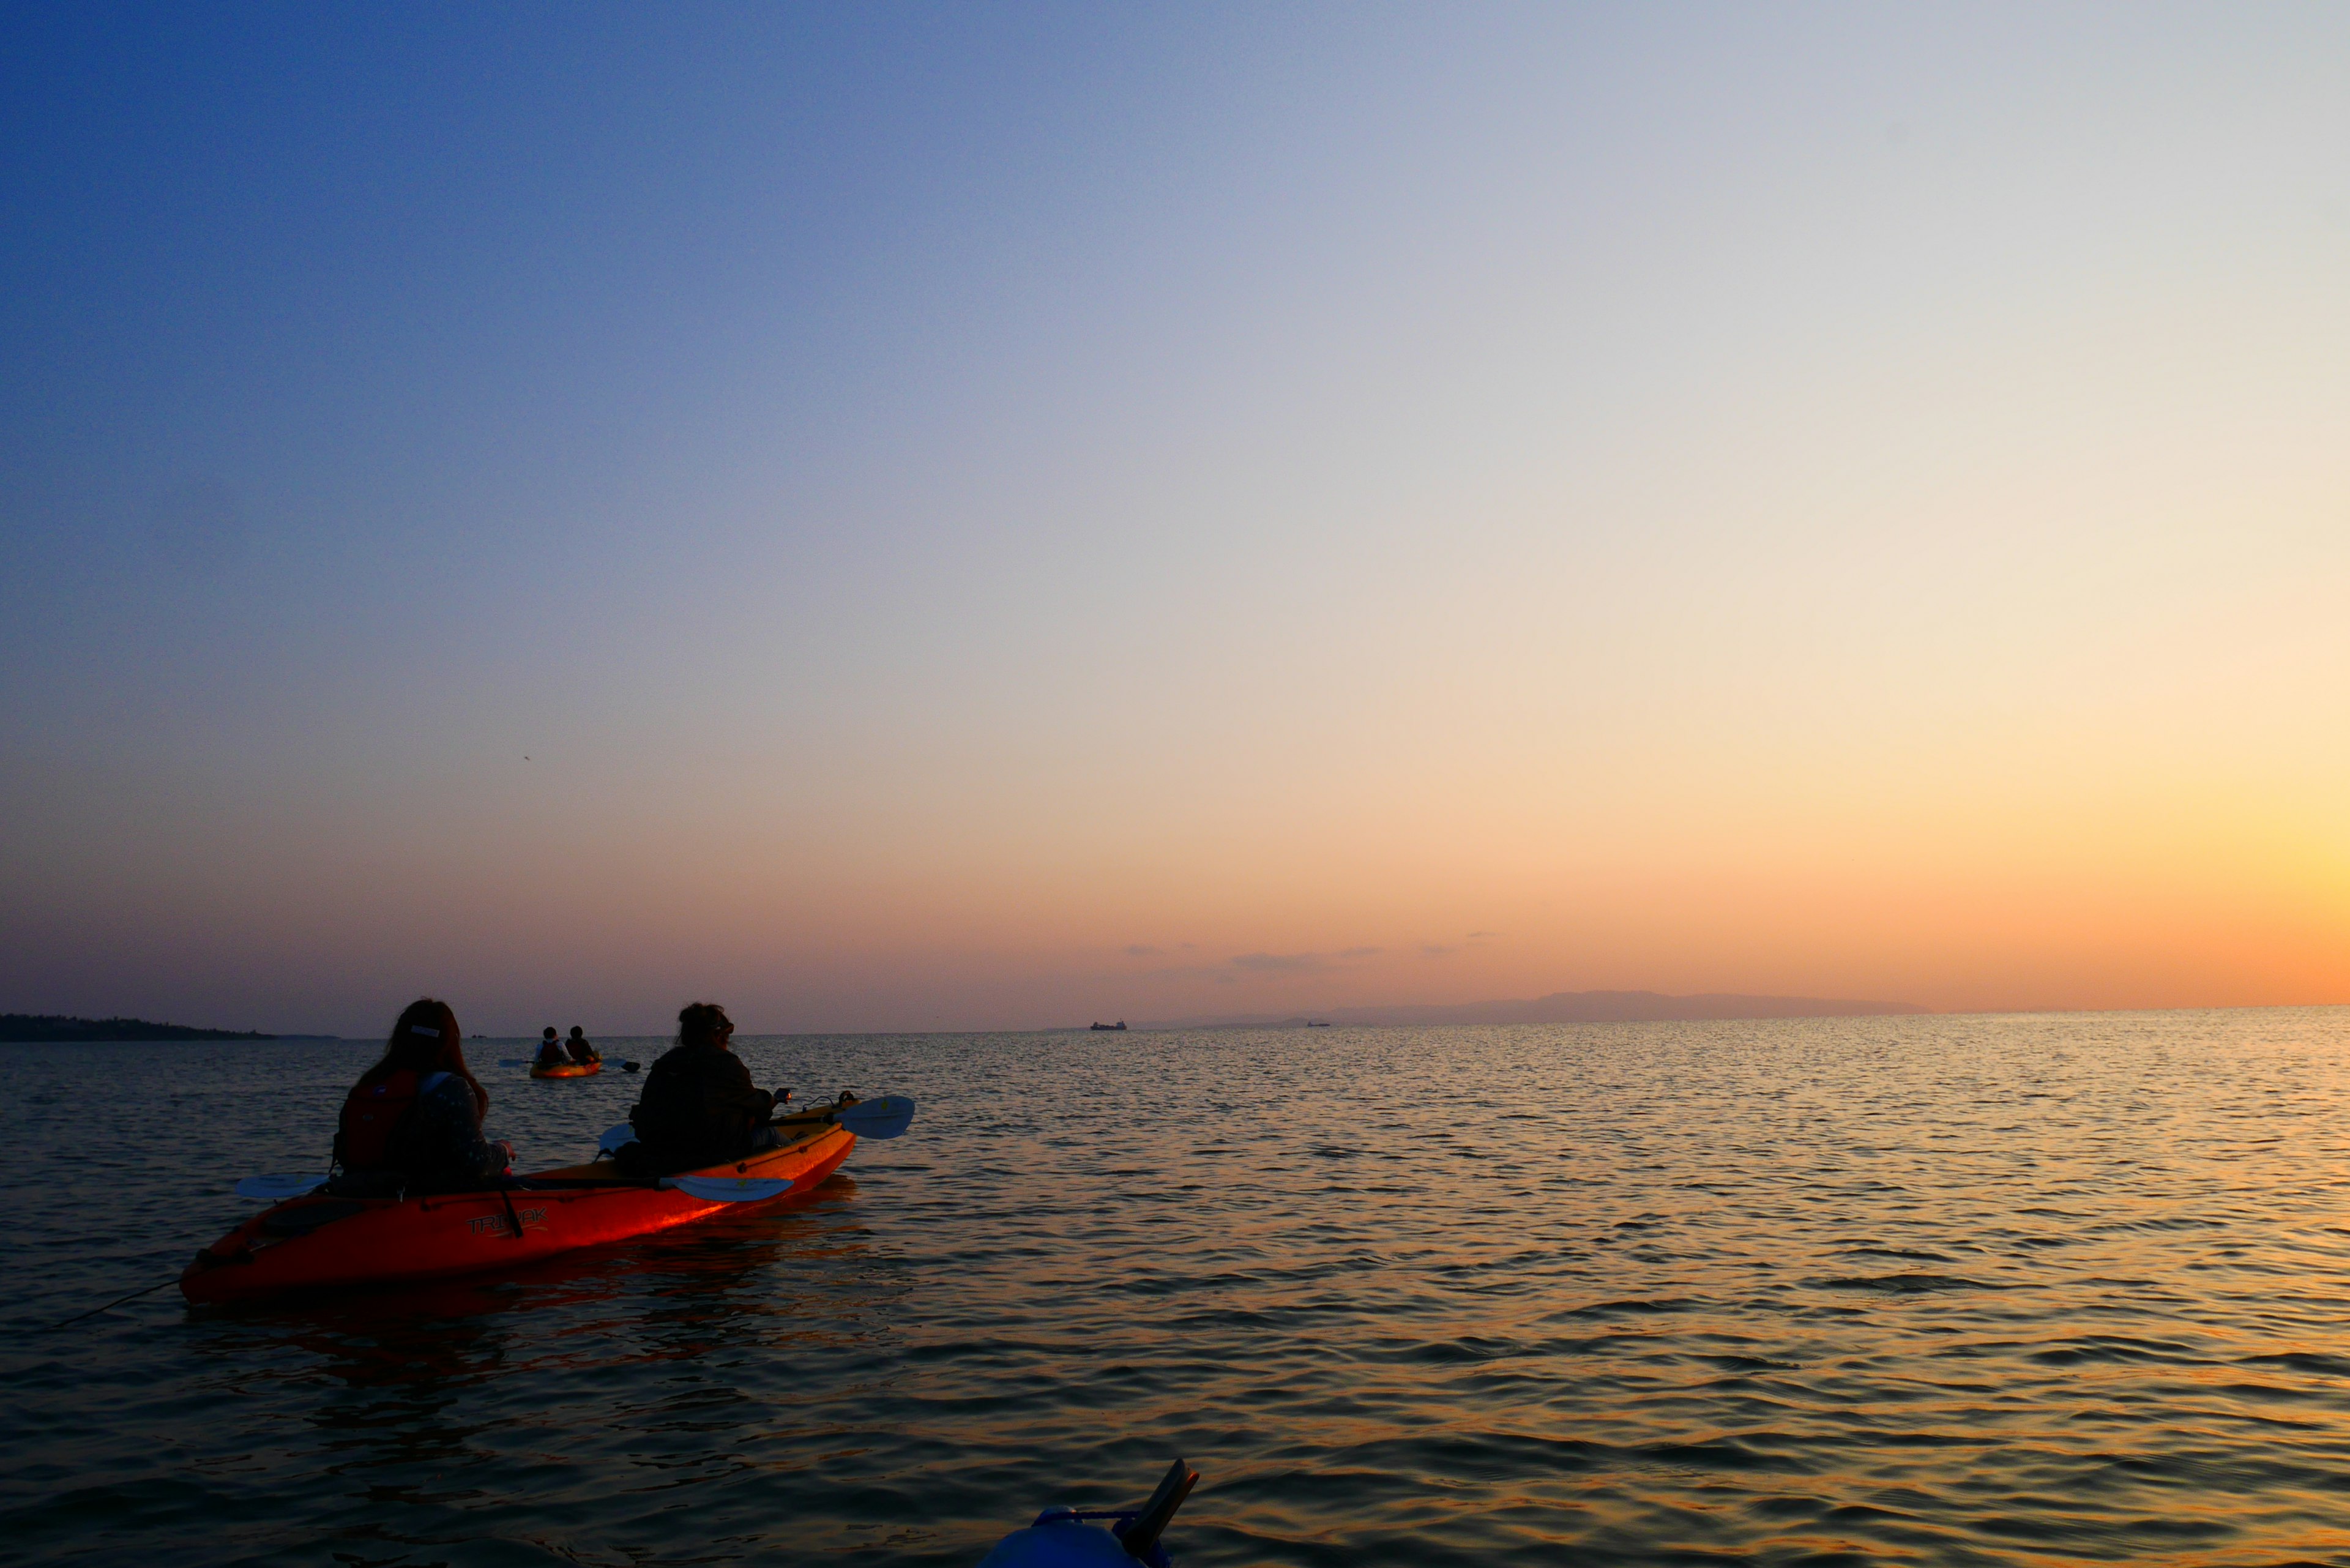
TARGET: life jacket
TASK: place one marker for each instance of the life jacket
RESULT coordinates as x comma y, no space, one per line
698,1107
373,1111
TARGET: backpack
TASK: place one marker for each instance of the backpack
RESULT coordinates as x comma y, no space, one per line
373,1113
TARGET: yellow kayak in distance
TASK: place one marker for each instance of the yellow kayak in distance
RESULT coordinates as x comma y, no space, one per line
567,1070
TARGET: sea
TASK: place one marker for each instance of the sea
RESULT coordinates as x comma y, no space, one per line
1970,1289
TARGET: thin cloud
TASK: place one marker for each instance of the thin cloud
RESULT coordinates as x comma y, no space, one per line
1280,963
1244,965
1436,950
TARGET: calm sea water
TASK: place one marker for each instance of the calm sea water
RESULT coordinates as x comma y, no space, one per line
2012,1290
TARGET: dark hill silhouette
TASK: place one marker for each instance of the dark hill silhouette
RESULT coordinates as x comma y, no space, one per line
1575,1007
53,1028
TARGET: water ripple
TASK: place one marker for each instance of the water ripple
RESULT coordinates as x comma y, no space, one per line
1976,1291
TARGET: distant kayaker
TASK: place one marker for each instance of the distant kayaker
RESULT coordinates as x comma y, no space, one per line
581,1051
413,1121
550,1049
699,1106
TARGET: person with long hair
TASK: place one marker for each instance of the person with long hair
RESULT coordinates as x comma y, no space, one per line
412,1123
699,1106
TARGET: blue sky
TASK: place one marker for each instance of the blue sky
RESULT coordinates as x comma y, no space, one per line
945,497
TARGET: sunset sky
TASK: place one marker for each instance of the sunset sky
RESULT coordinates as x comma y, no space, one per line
991,517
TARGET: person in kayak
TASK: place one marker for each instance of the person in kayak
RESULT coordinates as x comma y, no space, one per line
550,1049
412,1123
699,1106
581,1051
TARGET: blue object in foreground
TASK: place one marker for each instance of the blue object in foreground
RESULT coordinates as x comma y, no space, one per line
1061,1537
884,1117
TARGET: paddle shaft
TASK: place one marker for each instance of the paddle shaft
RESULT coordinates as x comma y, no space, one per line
556,1183
814,1114
708,1189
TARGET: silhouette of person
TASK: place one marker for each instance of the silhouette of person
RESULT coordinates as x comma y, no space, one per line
699,1106
413,1121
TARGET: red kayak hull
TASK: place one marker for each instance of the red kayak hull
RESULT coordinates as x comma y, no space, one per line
567,1070
319,1242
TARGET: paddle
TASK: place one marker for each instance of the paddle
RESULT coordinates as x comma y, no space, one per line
709,1188
887,1116
884,1115
278,1188
729,1189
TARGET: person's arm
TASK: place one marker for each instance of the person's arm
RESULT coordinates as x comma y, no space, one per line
453,1141
741,1094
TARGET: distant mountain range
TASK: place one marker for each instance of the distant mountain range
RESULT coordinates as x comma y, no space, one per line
48,1028
1569,1007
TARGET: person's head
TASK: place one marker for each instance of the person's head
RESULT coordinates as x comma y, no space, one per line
703,1024
576,1032
427,1040
548,1032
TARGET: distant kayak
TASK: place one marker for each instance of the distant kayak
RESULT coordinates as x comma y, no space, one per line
567,1069
321,1241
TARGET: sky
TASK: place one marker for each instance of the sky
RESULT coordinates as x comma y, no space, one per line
901,517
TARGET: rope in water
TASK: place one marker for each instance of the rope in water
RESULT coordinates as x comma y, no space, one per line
116,1301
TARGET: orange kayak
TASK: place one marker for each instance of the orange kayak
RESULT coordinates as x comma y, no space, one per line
323,1242
567,1070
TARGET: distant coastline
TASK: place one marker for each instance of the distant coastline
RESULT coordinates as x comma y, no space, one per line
56,1029
1571,1007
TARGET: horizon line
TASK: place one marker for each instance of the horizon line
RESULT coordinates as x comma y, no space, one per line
1290,1019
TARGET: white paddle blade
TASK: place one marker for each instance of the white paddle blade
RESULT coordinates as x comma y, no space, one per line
617,1138
278,1188
884,1117
729,1189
